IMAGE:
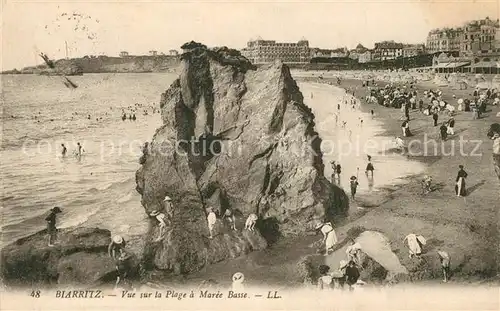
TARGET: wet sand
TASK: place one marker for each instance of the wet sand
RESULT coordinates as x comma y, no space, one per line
465,227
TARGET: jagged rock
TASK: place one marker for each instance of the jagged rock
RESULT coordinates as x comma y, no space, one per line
80,257
371,271
236,137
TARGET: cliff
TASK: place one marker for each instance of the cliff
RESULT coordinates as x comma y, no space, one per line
237,137
105,64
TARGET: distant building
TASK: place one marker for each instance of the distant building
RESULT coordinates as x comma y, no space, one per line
340,52
472,38
123,54
317,52
365,57
444,40
410,50
479,36
265,51
153,53
354,53
386,50
173,53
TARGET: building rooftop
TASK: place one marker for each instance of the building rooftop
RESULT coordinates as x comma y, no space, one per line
388,45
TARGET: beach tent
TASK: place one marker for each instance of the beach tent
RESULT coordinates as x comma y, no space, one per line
439,80
495,82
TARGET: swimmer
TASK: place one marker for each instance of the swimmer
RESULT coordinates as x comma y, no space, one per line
64,150
79,150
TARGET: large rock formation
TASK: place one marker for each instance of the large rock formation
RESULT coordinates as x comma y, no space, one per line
238,137
79,258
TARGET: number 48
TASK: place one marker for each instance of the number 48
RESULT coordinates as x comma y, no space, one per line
35,294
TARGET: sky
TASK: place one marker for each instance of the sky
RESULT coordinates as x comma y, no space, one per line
33,26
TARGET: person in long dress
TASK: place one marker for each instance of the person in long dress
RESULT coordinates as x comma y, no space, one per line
238,278
211,219
460,189
415,244
407,132
444,258
329,235
369,167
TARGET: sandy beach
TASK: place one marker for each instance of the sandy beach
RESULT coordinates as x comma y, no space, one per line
465,227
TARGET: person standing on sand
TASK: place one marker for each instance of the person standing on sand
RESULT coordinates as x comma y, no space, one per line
460,189
435,117
338,171
451,126
64,150
444,258
400,144
169,209
352,275
354,185
51,220
443,130
369,166
325,280
352,252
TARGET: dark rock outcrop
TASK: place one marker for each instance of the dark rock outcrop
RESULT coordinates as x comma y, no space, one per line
233,137
79,258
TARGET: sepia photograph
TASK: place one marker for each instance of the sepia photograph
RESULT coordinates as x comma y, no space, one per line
251,155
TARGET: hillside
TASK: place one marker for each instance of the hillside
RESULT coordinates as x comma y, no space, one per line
105,64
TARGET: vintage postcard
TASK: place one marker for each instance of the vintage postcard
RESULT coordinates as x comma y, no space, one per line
250,155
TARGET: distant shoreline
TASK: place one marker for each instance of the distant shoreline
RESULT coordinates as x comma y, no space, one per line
104,64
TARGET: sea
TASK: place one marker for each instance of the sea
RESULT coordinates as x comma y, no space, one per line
39,113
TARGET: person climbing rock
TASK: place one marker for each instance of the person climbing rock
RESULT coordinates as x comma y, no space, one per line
251,221
51,220
123,270
160,217
211,219
116,246
169,208
230,218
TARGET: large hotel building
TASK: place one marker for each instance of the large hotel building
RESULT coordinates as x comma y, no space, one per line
265,51
472,38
